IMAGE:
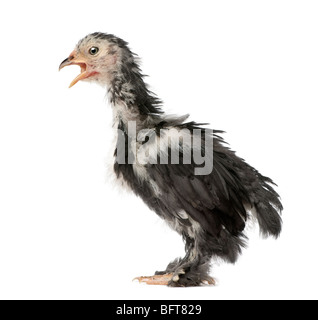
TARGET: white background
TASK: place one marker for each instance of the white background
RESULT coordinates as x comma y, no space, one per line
247,67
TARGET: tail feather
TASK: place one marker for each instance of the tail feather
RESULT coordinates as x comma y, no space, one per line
249,188
268,207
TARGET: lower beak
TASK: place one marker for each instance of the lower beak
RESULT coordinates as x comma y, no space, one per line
71,60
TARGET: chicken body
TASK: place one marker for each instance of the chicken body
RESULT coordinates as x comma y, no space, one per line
209,210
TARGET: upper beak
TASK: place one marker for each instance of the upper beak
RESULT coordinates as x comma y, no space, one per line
66,62
72,60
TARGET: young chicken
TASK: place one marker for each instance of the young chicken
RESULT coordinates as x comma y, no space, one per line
182,171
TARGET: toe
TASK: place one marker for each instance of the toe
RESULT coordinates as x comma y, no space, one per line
156,279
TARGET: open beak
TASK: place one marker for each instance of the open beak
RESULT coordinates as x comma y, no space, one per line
72,60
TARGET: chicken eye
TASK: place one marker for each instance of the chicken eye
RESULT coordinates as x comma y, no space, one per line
93,50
